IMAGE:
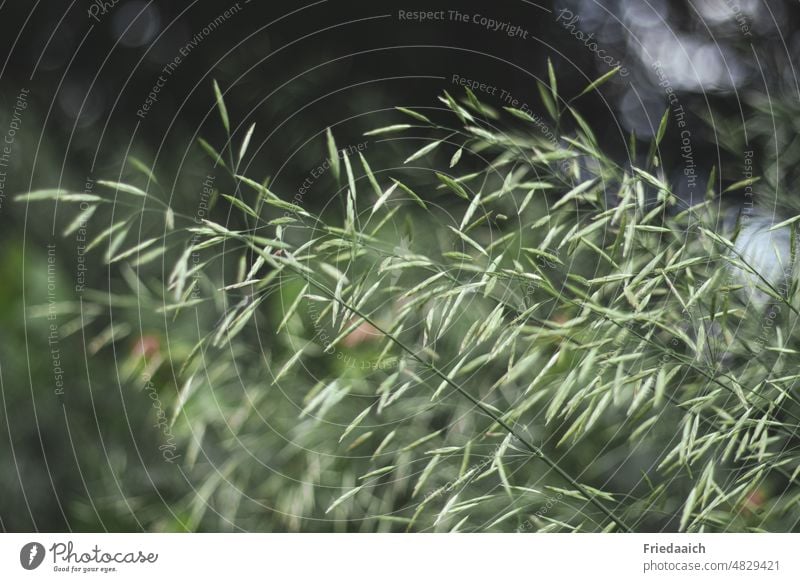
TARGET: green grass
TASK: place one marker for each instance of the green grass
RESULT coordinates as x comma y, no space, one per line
482,344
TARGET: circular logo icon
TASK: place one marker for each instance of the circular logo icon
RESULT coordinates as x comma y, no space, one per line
31,555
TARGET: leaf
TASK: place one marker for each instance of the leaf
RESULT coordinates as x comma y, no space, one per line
445,510
143,168
360,440
550,363
383,444
543,254
292,308
351,181
463,115
415,115
36,195
213,154
389,129
350,218
785,223
105,234
456,157
241,205
687,509
370,175
344,498
383,198
551,73
453,185
378,472
288,365
504,517
741,184
547,100
524,115
223,111
183,397
246,142
411,193
473,206
588,134
426,472
715,237
80,220
271,199
473,101
115,243
60,195
468,240
599,81
333,155
662,127
127,188
650,179
149,256
256,186
132,251
355,423
423,151
575,193
420,441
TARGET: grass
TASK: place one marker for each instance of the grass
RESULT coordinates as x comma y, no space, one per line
500,349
